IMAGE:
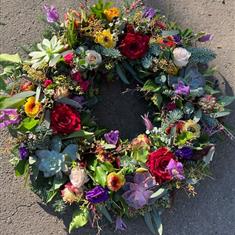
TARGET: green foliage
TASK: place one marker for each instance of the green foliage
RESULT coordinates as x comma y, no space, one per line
174,116
99,8
159,193
201,55
15,100
153,221
71,32
108,52
80,218
8,59
28,123
226,100
150,86
21,168
121,74
154,51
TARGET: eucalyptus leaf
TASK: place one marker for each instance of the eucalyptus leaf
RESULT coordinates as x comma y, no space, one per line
167,33
56,144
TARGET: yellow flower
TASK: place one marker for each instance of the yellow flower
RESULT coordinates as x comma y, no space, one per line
111,13
115,181
32,107
105,38
192,127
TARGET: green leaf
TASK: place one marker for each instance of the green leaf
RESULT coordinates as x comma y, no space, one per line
103,210
121,74
159,193
79,134
68,101
157,100
197,115
15,100
157,221
220,114
167,33
51,195
149,222
80,218
9,59
29,123
21,167
226,100
150,86
128,67
100,176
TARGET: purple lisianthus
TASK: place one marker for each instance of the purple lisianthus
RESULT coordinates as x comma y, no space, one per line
149,12
112,137
185,153
23,152
8,117
181,89
120,225
148,124
175,169
177,38
97,195
138,193
206,38
52,13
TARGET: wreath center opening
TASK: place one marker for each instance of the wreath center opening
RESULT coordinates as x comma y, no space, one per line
120,108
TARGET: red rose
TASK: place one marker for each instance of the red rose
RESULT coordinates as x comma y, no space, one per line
68,58
157,163
65,119
134,45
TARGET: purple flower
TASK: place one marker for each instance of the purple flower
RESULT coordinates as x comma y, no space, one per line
97,195
206,38
23,152
185,153
149,12
112,137
79,99
52,13
148,124
177,38
8,117
175,169
120,225
181,89
139,192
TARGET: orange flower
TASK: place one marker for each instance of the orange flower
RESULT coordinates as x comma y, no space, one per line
115,181
32,107
111,13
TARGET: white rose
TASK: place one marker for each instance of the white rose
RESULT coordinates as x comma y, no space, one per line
93,58
181,56
78,177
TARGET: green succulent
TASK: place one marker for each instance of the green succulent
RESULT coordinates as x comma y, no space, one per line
49,53
53,161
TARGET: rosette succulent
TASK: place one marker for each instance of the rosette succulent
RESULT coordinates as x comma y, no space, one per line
49,53
52,162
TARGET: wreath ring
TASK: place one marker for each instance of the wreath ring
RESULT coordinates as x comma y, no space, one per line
47,102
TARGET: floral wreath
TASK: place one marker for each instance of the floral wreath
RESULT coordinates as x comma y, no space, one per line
46,103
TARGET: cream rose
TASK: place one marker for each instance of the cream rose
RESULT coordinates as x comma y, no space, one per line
78,177
93,58
181,56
